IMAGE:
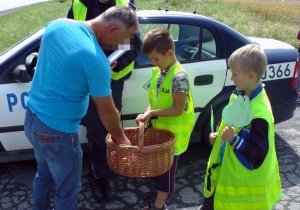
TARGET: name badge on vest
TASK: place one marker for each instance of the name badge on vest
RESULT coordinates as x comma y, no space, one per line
164,90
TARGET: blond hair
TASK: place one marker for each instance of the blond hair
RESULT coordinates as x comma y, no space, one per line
250,58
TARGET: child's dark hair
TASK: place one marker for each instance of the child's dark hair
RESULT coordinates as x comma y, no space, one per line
159,40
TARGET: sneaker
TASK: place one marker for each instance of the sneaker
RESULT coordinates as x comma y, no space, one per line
148,203
152,207
162,208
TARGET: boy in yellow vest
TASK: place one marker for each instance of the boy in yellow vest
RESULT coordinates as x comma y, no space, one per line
242,171
171,104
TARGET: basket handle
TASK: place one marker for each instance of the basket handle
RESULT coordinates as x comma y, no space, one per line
141,134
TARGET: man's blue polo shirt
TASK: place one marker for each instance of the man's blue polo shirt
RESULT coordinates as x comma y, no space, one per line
71,65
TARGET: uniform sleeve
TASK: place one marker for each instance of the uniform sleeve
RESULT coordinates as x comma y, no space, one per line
99,78
70,14
251,145
130,55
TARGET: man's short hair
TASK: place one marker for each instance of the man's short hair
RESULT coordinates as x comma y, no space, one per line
158,39
250,58
123,16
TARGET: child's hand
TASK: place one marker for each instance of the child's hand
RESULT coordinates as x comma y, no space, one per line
146,116
228,134
138,119
212,137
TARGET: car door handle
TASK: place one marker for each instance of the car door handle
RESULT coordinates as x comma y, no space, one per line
203,80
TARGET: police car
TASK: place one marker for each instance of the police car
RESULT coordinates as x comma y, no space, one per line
202,45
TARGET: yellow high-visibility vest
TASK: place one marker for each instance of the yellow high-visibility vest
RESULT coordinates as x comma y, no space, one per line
80,10
181,126
122,3
237,187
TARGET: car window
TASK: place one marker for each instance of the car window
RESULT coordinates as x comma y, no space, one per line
187,45
142,60
173,28
186,40
209,49
18,64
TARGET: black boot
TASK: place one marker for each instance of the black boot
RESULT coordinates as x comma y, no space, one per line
97,188
109,187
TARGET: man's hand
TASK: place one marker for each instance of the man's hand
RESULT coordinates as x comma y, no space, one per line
124,142
110,118
228,134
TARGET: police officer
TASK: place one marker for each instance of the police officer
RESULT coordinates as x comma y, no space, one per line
101,175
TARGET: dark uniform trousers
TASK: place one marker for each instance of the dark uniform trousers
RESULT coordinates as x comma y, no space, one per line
96,132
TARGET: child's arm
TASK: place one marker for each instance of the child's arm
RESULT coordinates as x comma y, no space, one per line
251,146
180,87
139,118
176,109
258,144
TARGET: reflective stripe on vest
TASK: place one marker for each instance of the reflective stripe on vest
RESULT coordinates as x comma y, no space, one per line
79,10
123,72
181,126
237,187
122,3
213,165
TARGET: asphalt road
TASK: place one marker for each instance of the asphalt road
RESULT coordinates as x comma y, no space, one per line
16,179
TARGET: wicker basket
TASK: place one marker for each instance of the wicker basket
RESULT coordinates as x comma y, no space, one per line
151,153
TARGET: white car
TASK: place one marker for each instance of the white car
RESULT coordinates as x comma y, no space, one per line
203,46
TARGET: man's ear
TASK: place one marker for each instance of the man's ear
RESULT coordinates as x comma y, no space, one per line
112,27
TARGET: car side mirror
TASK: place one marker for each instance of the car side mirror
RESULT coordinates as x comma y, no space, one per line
20,74
30,63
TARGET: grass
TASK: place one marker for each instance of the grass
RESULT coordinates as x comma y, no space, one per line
17,25
271,19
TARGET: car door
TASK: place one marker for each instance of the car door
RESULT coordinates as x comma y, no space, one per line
14,85
196,49
17,67
13,97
